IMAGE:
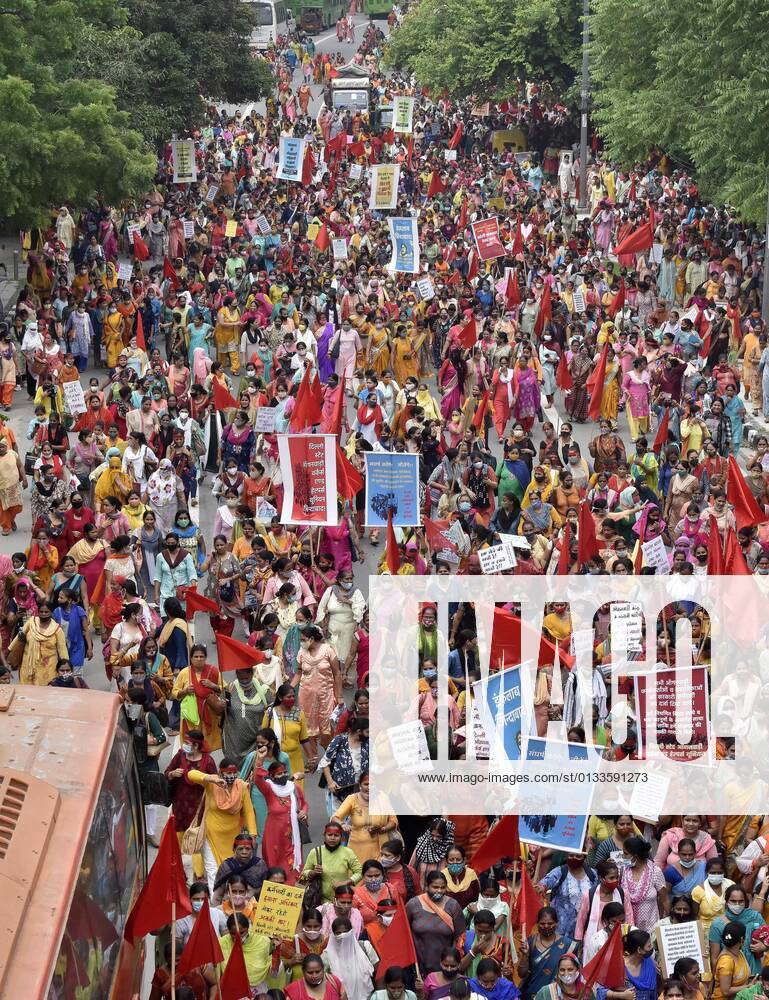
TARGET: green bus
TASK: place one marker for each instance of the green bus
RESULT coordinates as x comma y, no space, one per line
315,15
377,8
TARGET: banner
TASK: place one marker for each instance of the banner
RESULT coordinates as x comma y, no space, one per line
384,186
403,114
185,168
404,234
670,686
308,469
500,704
392,484
486,233
290,159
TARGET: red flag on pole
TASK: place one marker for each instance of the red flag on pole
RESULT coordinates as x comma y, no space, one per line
618,301
322,241
436,539
392,554
596,385
545,313
607,967
500,842
235,655
436,186
141,250
468,336
715,552
164,895
139,332
472,265
734,558
747,513
349,482
528,904
564,558
307,412
661,437
480,414
196,602
455,140
170,273
202,946
234,984
642,238
223,398
396,946
512,292
410,152
518,239
587,542
563,377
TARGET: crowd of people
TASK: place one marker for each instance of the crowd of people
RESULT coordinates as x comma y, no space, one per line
558,391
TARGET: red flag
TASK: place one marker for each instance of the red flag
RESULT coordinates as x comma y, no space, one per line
196,602
436,539
455,140
308,165
307,410
596,385
468,336
455,278
715,552
170,273
337,414
235,655
734,558
165,887
349,481
545,313
518,239
462,220
564,559
587,542
234,984
480,414
512,292
410,153
472,265
139,332
500,842
322,241
396,946
563,377
607,967
661,437
316,390
747,513
528,904
639,240
436,186
141,250
223,398
202,946
618,301
392,554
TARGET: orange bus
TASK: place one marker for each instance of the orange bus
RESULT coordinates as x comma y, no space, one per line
72,855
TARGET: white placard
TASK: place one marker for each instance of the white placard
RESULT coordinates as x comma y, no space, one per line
409,747
495,559
264,510
263,225
189,229
133,229
680,941
125,270
185,167
264,422
212,192
356,171
644,801
509,546
74,399
339,247
578,297
455,534
516,542
425,287
655,555
655,254
582,643
447,556
626,626
449,155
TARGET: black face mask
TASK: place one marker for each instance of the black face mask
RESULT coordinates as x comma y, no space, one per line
281,779
450,975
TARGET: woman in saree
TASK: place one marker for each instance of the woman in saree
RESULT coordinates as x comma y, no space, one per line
683,486
112,335
606,448
578,398
90,555
527,376
541,953
175,639
378,349
198,687
513,475
686,872
502,395
538,517
611,387
451,379
640,970
268,739
436,922
113,482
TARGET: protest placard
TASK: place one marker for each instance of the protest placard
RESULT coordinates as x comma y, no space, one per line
185,168
384,186
189,229
133,229
212,192
495,559
676,941
409,747
626,626
263,225
403,114
644,800
680,696
231,229
449,155
291,157
487,241
356,171
74,399
308,469
278,910
264,510
392,485
404,235
655,555
339,247
125,270
425,288
264,421
655,254
500,706
578,300
564,833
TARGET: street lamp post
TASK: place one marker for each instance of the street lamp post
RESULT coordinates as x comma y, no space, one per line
583,202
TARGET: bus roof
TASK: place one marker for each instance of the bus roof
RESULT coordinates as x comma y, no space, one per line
54,750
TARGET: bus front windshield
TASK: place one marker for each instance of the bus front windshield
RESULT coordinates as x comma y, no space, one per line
263,14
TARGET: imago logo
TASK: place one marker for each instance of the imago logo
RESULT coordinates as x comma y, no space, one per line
568,695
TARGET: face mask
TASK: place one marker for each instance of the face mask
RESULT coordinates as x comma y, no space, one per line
486,902
611,883
65,676
450,973
436,897
465,507
188,748
281,779
197,905
456,867
346,584
229,778
688,864
311,935
374,884
133,712
387,862
715,879
569,977
340,937
267,653
736,908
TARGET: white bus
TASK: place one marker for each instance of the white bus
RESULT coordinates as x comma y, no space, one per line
273,18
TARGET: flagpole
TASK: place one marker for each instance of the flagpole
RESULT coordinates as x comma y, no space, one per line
173,950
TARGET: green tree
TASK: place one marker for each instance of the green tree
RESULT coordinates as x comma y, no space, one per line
486,47
690,78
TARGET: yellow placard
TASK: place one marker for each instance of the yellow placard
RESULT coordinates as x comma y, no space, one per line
278,910
504,139
312,231
232,228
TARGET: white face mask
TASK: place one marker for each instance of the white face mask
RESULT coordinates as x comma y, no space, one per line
197,905
340,937
569,977
133,712
486,902
715,879
387,918
736,908
312,935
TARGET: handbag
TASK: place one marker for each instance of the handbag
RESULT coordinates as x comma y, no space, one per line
304,831
157,749
335,346
313,894
194,836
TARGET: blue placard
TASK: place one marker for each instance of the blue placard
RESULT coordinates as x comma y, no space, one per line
564,833
392,484
501,709
405,242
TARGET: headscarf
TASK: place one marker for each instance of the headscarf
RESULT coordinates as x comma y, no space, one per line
433,851
349,963
626,500
161,486
28,603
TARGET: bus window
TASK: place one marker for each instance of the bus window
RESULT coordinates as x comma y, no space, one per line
263,12
280,13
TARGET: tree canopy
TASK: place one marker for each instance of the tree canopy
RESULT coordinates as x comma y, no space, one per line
690,78
486,47
87,89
